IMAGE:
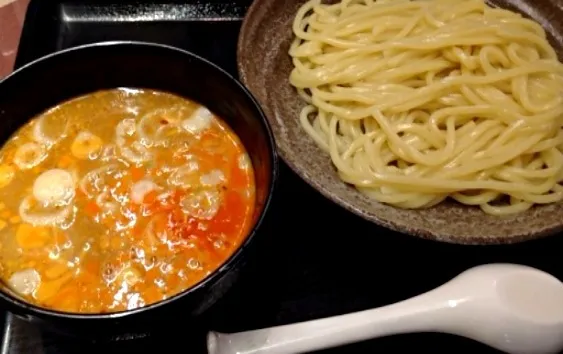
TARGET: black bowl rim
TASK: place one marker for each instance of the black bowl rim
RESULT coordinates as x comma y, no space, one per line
233,258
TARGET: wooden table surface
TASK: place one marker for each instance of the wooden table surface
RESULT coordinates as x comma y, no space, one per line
12,14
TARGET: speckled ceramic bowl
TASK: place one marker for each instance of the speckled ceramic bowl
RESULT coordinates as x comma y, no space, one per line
264,66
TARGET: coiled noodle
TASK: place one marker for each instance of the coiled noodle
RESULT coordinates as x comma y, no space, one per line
418,101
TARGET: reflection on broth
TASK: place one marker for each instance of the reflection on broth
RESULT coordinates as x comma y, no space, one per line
119,199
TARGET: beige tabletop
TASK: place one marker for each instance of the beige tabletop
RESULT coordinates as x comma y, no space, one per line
12,14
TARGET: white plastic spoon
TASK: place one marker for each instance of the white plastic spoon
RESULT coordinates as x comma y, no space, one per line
513,308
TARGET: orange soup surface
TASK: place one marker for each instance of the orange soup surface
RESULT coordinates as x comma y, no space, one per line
119,199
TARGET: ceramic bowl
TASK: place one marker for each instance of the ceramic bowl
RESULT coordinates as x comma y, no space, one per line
58,77
264,67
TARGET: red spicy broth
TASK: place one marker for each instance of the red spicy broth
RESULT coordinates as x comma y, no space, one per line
119,199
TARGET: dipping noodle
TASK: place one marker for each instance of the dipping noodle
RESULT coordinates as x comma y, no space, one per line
120,199
420,101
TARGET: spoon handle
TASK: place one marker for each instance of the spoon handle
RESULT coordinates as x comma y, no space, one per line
425,313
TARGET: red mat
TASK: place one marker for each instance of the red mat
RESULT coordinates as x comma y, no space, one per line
11,20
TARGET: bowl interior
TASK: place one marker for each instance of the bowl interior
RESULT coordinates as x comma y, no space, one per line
267,30
56,78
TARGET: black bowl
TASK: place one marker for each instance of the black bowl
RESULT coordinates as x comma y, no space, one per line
55,78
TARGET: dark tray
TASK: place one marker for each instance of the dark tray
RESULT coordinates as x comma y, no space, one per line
316,259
